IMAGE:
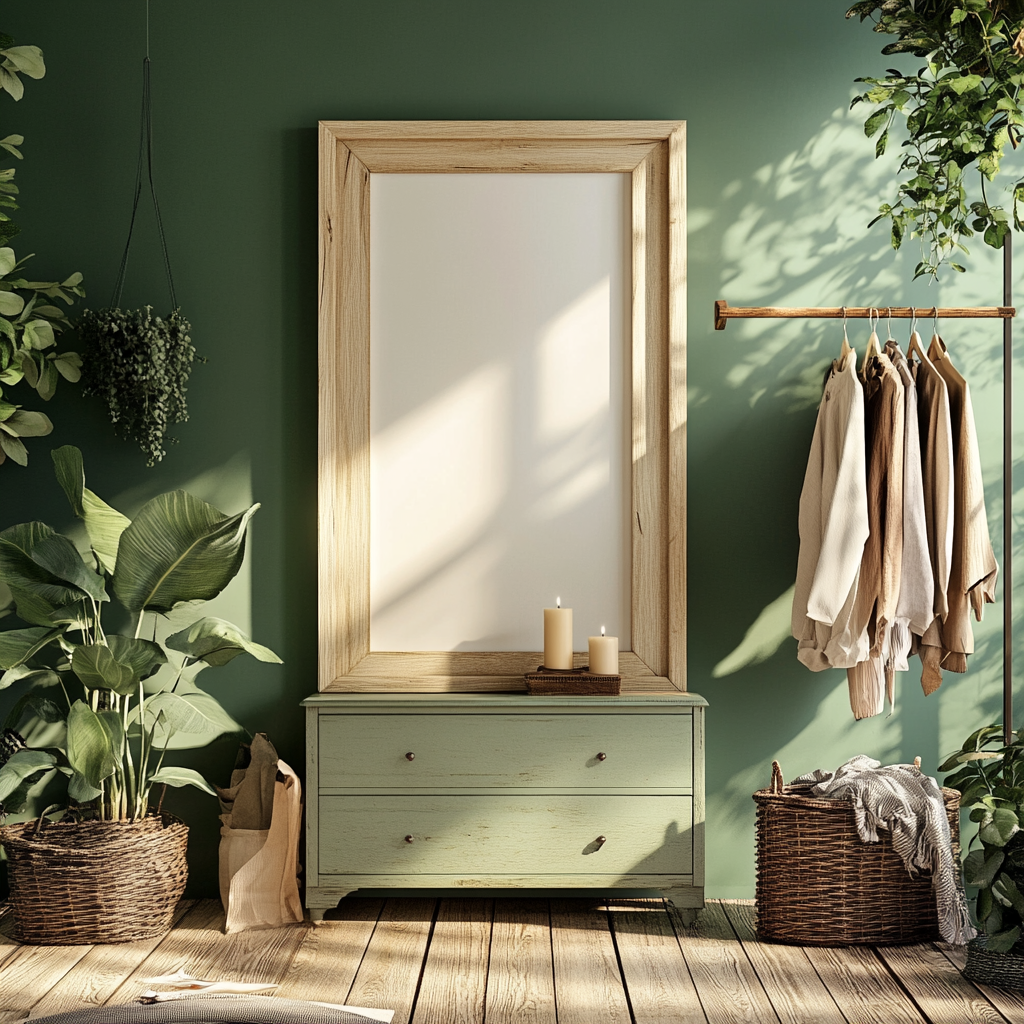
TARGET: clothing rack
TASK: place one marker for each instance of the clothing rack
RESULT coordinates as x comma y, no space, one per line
1006,312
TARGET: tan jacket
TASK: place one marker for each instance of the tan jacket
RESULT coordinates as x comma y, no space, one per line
878,587
973,569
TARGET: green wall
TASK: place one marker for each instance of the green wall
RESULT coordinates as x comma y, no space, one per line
781,186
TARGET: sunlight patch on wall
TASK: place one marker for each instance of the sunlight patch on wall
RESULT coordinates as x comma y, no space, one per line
764,637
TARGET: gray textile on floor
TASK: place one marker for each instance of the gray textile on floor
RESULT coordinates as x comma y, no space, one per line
200,1009
908,803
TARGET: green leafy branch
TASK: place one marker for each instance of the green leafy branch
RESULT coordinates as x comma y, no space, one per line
30,320
959,111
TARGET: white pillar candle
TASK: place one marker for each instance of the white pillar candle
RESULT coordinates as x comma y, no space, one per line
604,654
558,637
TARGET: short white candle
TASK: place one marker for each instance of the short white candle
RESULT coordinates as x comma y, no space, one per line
558,637
604,654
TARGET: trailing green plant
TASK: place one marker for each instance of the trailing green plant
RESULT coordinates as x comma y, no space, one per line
29,318
959,110
123,700
139,365
990,776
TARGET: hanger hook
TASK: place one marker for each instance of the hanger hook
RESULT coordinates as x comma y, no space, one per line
873,318
935,319
845,336
913,319
888,323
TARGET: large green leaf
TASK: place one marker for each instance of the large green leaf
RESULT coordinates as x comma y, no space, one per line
1004,888
177,549
27,59
98,669
979,870
1000,829
113,722
34,677
182,721
33,608
22,765
103,524
81,790
172,775
40,707
216,642
89,748
18,645
143,657
20,571
58,555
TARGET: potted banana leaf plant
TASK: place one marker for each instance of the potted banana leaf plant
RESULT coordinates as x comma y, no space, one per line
117,701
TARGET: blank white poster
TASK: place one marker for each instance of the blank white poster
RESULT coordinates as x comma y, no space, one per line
499,408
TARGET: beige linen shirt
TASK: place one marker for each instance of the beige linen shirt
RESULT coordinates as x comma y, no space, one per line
833,524
973,569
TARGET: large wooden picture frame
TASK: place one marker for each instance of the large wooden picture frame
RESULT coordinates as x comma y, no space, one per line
653,153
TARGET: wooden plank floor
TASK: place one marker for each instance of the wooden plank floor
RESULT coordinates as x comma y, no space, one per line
508,961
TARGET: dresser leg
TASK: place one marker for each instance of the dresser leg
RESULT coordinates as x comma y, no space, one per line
316,914
688,915
682,901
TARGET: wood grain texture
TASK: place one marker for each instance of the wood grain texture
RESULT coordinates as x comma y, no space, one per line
726,982
454,980
326,962
660,988
312,825
676,374
390,971
28,975
658,331
649,621
1007,1001
789,979
724,312
520,980
588,985
650,131
386,665
199,947
344,401
99,974
861,986
937,986
499,156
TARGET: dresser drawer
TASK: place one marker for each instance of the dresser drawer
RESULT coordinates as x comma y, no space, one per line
505,834
533,750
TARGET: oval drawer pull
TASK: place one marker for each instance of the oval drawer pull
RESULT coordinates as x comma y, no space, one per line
410,756
602,756
408,839
601,840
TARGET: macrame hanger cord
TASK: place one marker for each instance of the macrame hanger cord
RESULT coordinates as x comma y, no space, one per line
145,152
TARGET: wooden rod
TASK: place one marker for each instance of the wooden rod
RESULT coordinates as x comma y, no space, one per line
724,312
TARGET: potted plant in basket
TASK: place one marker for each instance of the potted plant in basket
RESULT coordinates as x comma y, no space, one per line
990,776
122,698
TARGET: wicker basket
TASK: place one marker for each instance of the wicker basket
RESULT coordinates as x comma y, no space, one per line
75,883
819,884
1004,970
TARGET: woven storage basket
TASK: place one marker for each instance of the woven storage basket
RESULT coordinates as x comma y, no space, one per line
1004,970
74,883
819,884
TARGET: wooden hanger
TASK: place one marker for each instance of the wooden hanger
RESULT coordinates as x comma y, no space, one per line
873,348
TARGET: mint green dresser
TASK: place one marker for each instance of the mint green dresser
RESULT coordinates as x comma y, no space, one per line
504,790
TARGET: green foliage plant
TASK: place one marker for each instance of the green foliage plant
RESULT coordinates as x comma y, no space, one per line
120,700
989,774
960,111
139,365
30,319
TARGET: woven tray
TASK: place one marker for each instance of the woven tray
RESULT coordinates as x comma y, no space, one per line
819,884
76,883
573,681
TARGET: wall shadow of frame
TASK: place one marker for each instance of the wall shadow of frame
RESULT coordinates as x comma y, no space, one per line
653,154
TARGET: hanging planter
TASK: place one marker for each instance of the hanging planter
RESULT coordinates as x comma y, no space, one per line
139,364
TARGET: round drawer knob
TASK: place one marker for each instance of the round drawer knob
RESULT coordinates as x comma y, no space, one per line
410,756
602,756
408,839
601,840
